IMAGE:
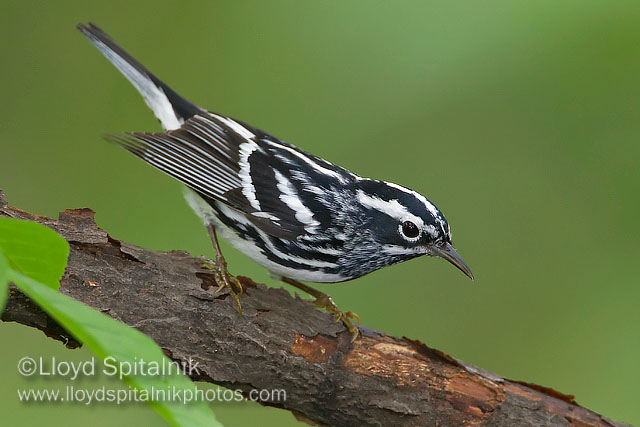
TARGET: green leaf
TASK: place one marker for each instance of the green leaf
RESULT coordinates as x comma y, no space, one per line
34,258
34,250
108,337
4,281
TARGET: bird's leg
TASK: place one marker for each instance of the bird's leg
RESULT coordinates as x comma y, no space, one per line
223,278
323,300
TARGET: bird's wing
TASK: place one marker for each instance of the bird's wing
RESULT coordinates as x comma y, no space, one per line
277,186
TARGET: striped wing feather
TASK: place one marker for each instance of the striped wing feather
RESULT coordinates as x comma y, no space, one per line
205,154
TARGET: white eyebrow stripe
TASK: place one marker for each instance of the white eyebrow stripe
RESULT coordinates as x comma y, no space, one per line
309,161
393,208
430,206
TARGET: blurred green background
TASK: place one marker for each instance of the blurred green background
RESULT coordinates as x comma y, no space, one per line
520,120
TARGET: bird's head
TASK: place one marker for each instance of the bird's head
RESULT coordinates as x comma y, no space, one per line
406,224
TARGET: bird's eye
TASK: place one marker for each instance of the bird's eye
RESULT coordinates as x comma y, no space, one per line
410,230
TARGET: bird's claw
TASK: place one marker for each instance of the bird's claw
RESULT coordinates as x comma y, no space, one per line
325,301
225,280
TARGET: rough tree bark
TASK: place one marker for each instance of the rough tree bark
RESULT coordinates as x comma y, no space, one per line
282,342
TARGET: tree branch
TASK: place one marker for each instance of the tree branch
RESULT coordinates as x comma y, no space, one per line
282,342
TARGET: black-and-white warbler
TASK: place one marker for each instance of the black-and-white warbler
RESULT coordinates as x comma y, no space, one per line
300,216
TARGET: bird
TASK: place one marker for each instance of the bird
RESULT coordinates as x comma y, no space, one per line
302,217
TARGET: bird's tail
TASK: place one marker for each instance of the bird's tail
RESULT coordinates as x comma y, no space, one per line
169,107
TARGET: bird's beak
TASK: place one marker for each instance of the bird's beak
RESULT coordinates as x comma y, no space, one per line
447,252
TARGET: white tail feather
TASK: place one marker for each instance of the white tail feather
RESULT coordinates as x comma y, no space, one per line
152,94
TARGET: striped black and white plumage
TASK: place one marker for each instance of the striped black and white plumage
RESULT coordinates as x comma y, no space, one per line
298,215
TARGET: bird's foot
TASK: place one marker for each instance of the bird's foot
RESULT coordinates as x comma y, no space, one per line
225,280
324,301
